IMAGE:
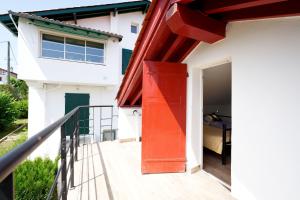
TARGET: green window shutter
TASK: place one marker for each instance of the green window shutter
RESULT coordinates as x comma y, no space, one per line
126,55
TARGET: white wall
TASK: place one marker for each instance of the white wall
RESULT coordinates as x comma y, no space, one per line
124,25
265,105
129,123
3,78
47,104
34,67
99,23
117,23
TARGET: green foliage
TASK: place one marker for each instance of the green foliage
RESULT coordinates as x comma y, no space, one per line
34,178
8,111
17,88
22,108
20,88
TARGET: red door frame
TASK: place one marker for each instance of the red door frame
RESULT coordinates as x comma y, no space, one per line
164,117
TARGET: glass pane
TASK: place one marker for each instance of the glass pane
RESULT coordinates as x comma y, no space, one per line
52,53
134,29
93,48
75,46
95,59
75,56
53,42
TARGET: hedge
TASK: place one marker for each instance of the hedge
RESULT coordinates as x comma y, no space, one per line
22,108
34,178
8,111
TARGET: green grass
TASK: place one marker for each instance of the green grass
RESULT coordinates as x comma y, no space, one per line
14,126
13,141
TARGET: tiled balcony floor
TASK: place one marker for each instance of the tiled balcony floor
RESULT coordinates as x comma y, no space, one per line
125,181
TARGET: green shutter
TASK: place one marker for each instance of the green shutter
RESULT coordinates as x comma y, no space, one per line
126,55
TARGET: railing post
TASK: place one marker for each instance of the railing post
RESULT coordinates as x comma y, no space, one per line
111,124
63,163
76,135
72,150
7,188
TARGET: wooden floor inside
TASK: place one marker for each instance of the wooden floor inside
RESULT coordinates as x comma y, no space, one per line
119,177
212,164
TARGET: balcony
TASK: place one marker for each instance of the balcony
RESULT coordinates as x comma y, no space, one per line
119,177
93,168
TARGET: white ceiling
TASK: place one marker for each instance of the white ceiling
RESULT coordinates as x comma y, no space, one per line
217,85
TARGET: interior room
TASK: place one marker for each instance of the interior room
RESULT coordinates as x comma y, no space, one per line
217,122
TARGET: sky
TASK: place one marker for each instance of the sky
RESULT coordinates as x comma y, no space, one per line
32,5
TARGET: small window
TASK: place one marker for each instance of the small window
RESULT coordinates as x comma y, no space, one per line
134,28
52,46
0,78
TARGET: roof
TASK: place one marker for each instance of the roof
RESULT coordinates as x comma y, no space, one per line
5,70
64,26
172,29
65,14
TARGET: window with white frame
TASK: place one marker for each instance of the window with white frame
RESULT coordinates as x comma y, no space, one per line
72,49
134,28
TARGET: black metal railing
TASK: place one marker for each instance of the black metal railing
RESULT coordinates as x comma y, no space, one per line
73,125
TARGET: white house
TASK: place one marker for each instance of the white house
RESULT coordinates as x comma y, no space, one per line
3,75
228,59
73,56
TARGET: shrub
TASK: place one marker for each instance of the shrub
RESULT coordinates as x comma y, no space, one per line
19,88
34,178
22,108
8,111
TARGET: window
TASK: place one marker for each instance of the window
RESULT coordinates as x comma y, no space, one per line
0,78
53,46
134,28
72,49
94,52
75,49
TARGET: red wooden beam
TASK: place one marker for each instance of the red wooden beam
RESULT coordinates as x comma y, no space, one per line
179,39
192,24
282,9
137,97
213,7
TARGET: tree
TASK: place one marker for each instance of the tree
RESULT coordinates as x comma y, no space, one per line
20,89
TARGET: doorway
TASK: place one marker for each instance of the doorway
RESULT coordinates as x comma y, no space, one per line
217,122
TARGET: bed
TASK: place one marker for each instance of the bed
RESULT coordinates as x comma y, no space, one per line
217,135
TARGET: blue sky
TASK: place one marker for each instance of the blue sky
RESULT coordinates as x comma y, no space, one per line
31,5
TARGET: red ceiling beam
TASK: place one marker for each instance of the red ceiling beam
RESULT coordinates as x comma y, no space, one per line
136,98
213,7
179,39
290,8
192,24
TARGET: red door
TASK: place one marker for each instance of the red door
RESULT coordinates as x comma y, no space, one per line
164,117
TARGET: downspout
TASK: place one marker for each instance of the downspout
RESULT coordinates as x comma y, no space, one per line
12,19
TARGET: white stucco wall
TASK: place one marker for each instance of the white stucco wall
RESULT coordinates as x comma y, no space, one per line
265,106
47,104
129,123
117,23
32,66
